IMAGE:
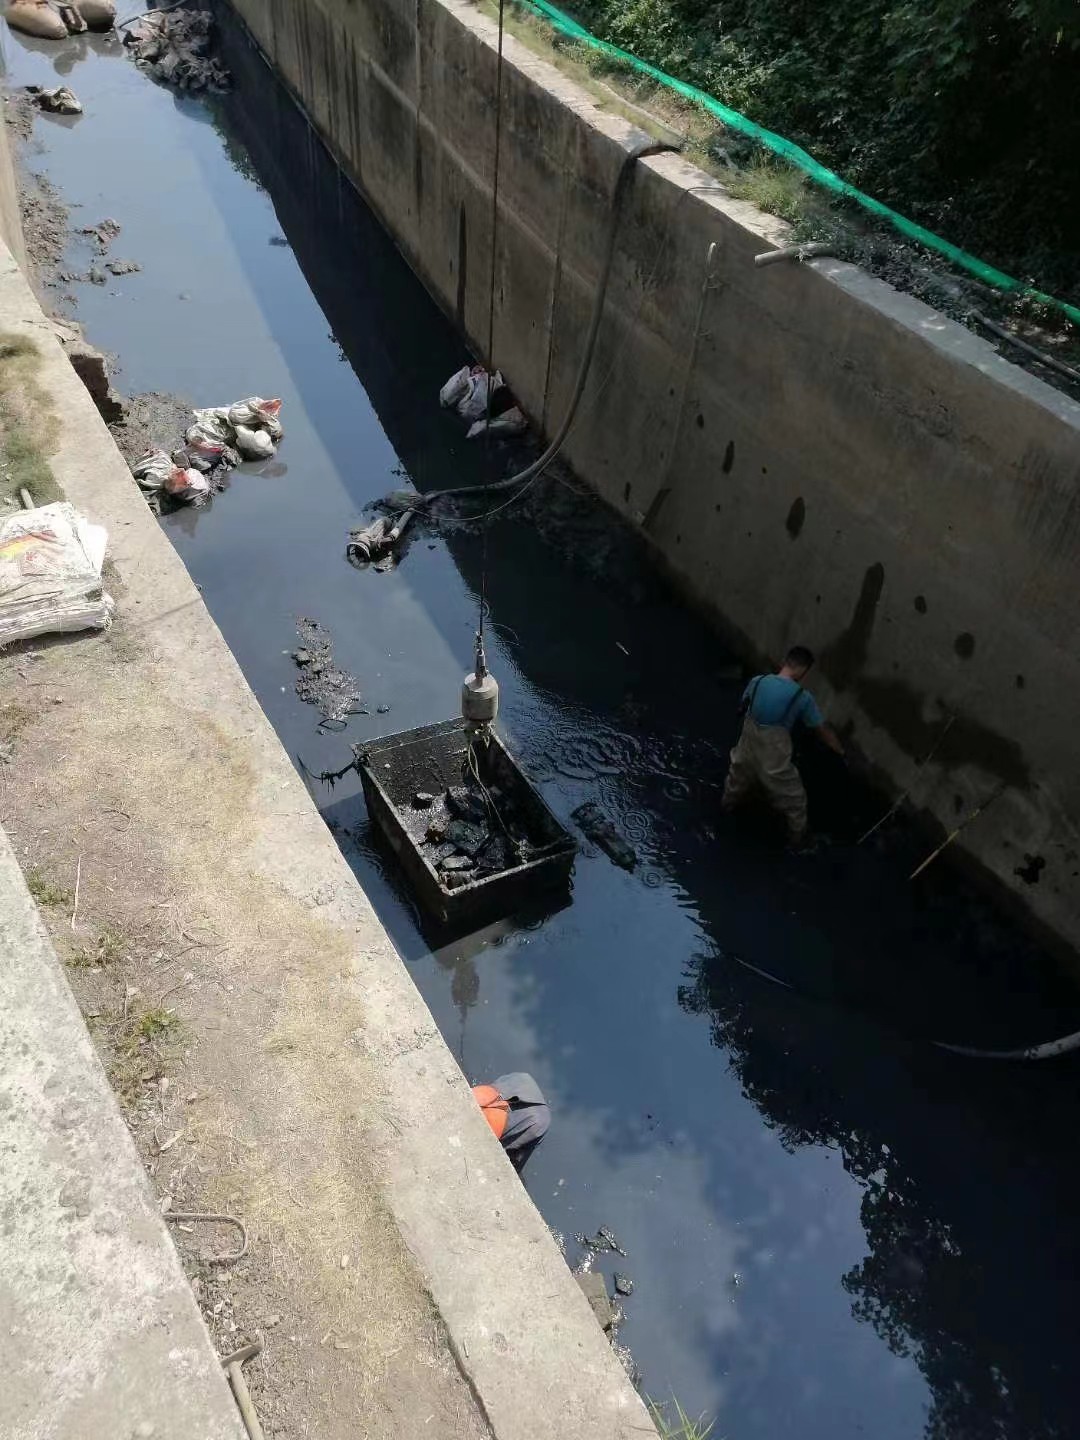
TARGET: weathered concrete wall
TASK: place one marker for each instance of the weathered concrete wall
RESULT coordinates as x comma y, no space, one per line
815,456
10,223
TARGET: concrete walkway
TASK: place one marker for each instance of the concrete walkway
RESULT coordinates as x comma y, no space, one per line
100,1336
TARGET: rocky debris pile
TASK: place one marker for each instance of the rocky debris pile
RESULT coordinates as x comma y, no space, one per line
218,440
469,832
321,682
47,21
172,48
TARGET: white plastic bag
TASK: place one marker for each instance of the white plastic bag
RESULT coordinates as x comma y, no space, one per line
50,573
184,486
455,388
152,470
215,422
510,422
256,414
254,444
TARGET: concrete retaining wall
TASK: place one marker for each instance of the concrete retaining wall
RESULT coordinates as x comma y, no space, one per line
815,457
10,223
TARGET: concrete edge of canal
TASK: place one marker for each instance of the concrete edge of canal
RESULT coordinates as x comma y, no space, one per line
331,1088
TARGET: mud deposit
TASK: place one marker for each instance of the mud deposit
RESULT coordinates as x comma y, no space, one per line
832,1228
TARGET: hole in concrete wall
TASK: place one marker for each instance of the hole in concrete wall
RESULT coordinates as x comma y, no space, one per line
626,492
701,422
729,457
796,518
958,803
920,604
678,539
1020,682
964,645
764,469
817,599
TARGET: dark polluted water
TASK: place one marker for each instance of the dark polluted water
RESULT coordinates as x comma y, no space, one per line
830,1227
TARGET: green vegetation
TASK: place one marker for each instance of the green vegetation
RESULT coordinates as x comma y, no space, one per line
27,425
44,891
139,1049
681,1427
960,114
109,948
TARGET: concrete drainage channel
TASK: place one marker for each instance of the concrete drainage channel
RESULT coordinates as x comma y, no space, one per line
272,1057
221,945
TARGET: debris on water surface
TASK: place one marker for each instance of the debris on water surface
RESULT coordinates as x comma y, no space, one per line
600,1243
595,825
623,1284
172,47
122,267
60,101
320,682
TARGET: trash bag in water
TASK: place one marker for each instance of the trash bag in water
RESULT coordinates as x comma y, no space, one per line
36,17
185,486
509,423
60,101
98,14
257,414
467,391
152,470
254,444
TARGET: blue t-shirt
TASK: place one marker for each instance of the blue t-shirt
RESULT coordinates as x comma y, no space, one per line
779,701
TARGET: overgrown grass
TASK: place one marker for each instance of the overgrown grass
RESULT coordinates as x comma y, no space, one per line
44,891
679,1426
775,188
27,424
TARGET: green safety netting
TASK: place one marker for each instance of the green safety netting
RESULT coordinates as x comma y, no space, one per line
798,157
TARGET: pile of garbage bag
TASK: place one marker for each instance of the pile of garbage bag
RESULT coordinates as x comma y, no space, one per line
50,573
475,393
171,47
47,21
215,443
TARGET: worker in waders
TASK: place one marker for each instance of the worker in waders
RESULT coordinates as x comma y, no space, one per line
772,706
515,1109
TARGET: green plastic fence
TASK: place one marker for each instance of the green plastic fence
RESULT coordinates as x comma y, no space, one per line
798,157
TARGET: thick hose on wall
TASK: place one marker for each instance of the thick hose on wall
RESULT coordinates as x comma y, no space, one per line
538,466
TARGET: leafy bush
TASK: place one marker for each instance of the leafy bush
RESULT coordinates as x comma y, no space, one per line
960,113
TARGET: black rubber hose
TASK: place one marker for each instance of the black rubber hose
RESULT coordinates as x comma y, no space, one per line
538,466
1046,1051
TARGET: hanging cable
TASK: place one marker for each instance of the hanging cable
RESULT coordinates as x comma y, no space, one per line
531,472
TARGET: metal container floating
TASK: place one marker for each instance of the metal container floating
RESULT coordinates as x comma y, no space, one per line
430,761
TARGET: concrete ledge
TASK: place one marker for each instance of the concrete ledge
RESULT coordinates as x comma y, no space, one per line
324,1062
102,1338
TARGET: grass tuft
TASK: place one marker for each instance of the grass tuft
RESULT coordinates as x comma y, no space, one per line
681,1427
44,891
28,426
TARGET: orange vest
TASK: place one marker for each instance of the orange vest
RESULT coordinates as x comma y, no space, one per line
496,1109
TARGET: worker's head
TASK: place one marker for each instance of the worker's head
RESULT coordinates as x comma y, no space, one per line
797,662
